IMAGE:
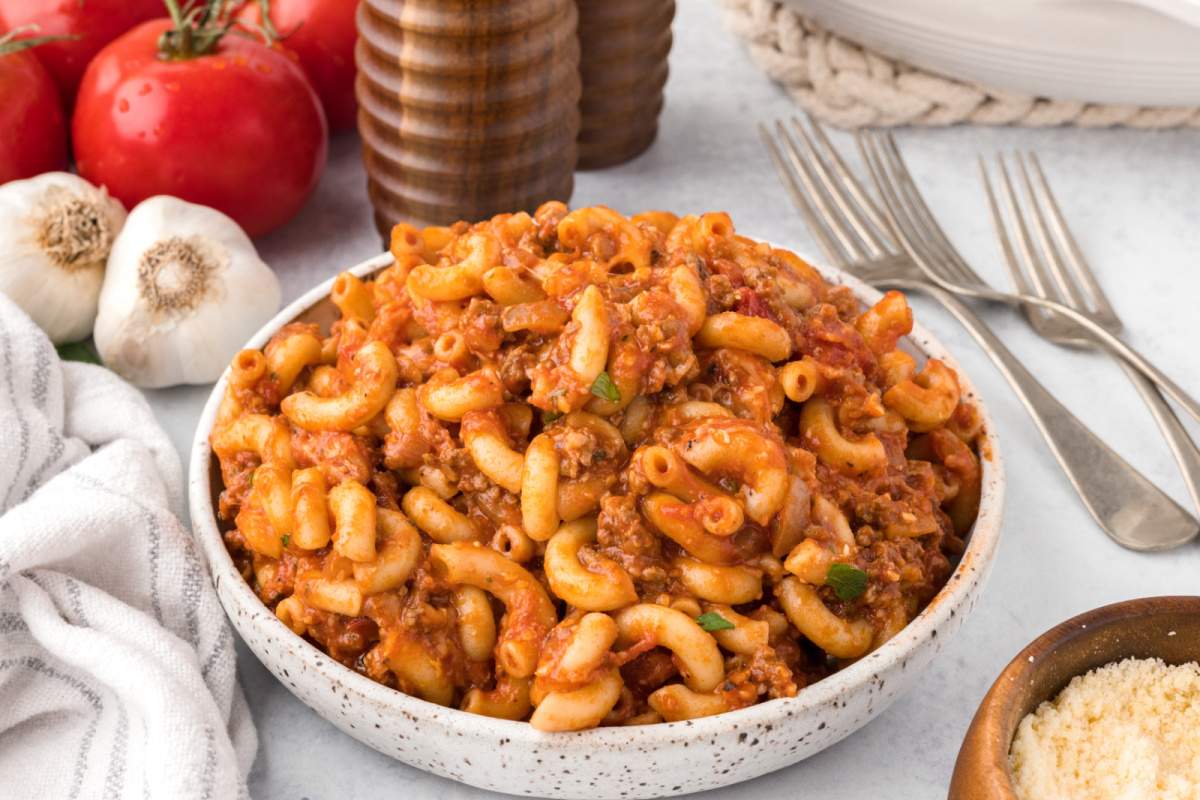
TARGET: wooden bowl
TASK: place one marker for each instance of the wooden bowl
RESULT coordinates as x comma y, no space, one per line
1151,627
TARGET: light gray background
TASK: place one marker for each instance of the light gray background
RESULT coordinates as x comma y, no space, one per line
1133,197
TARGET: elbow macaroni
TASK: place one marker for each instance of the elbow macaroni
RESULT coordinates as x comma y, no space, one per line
581,469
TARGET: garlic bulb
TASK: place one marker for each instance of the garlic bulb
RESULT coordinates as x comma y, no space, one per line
55,234
183,292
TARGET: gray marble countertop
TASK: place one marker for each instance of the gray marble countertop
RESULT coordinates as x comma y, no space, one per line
1132,197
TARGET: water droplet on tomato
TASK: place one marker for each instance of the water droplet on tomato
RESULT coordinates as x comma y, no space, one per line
265,69
122,105
145,90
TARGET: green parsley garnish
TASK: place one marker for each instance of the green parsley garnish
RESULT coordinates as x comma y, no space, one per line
551,416
285,539
848,582
78,351
604,388
712,621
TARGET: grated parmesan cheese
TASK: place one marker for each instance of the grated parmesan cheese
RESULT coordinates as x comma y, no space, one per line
1126,731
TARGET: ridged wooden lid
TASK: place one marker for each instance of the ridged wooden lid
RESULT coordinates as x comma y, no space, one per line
467,109
488,56
464,18
624,45
600,15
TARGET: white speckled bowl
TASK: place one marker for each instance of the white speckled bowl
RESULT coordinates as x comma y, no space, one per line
628,762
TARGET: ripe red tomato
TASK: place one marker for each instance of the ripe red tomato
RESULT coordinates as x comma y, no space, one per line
33,133
239,129
92,23
322,33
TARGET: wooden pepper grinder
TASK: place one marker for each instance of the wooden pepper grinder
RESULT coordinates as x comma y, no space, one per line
623,62
469,108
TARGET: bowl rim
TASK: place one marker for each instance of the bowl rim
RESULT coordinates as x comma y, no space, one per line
985,749
980,551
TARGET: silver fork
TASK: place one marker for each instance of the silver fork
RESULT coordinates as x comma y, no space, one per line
911,221
1058,271
856,236
922,238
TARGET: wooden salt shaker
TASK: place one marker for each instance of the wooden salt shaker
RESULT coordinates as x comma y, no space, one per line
624,46
469,108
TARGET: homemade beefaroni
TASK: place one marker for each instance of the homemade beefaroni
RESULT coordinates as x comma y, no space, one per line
585,469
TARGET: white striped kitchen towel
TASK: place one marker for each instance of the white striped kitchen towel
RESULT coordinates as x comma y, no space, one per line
116,662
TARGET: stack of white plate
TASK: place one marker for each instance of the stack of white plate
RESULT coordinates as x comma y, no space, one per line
1136,52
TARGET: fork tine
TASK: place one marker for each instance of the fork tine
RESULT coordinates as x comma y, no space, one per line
1030,260
1010,256
958,267
900,223
951,264
1051,257
1071,250
847,192
832,251
866,150
851,242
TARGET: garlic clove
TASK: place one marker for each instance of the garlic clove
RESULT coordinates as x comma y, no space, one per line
56,231
184,290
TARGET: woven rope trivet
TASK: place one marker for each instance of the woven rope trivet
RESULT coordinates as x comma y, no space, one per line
843,84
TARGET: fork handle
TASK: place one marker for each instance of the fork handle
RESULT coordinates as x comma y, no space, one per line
1133,511
1187,454
1105,338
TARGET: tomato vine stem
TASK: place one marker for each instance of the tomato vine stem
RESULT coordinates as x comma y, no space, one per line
9,43
197,27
